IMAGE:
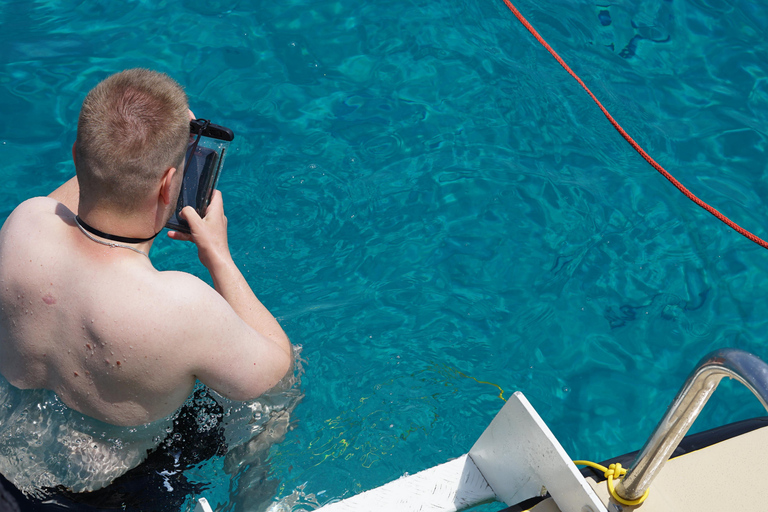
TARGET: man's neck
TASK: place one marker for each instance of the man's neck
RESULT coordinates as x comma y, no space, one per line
134,230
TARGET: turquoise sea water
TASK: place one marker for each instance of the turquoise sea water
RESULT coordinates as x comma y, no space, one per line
437,213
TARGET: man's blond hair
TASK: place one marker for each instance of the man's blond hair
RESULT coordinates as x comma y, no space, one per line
133,126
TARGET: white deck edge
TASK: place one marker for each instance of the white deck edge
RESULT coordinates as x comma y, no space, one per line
515,459
449,487
518,456
203,506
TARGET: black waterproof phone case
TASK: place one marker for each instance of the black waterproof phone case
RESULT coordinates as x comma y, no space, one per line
207,148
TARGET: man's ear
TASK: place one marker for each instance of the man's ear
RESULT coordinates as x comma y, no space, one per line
166,186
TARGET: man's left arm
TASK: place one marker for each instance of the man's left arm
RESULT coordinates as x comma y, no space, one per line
68,194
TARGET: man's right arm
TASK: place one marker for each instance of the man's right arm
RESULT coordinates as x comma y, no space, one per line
210,236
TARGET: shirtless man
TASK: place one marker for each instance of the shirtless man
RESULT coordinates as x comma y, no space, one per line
116,339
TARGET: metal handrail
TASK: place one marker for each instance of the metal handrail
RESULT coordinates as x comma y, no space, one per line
701,383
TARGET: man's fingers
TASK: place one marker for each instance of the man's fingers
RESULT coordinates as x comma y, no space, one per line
216,201
190,215
180,235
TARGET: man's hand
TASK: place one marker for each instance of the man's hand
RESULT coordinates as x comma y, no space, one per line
209,234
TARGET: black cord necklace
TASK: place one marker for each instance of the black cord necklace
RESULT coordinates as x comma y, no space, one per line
116,238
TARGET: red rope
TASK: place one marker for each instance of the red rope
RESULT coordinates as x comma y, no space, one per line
631,141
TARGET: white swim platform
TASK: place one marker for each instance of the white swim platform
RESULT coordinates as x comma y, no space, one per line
485,473
518,461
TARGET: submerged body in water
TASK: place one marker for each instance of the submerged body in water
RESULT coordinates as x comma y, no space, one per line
44,443
50,452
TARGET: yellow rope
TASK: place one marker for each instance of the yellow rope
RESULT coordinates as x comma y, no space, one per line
611,472
501,391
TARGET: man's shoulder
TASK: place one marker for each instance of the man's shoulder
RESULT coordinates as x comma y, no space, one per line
188,293
40,204
182,280
186,312
32,222
35,210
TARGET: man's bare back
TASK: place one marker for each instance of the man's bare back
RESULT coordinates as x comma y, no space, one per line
90,318
83,312
112,336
